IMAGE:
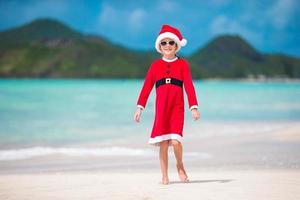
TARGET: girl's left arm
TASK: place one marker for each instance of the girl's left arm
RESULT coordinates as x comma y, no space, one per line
189,87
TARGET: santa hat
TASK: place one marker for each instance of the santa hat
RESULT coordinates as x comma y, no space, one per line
172,33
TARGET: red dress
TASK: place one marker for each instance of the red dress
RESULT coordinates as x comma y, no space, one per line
169,106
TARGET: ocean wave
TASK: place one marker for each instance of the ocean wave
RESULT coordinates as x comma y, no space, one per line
38,151
17,154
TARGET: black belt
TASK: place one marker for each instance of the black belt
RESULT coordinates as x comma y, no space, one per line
173,81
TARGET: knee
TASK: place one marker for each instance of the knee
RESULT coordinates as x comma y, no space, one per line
175,143
164,143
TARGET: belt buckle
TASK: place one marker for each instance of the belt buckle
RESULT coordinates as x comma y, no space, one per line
168,80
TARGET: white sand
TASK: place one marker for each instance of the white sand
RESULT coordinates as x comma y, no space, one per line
208,185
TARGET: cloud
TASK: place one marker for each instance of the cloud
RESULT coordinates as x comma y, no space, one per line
220,2
167,6
136,19
223,25
281,12
108,15
132,20
45,8
14,13
219,25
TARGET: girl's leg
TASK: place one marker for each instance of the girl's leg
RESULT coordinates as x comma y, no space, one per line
178,155
163,157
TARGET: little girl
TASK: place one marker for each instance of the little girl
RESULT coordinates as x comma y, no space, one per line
169,74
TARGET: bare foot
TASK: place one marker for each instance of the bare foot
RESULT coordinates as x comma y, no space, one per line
165,181
182,174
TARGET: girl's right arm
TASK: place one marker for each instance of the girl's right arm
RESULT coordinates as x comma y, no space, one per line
144,94
147,87
137,115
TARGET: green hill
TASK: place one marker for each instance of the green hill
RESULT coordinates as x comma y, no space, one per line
41,29
48,48
231,56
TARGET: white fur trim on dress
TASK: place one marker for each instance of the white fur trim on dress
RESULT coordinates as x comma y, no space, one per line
194,106
155,141
169,60
140,106
171,36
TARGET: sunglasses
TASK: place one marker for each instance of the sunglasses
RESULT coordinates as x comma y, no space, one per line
164,43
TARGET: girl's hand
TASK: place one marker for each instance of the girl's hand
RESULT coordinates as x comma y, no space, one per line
137,115
195,114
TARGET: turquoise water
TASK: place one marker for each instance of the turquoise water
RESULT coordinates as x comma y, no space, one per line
61,111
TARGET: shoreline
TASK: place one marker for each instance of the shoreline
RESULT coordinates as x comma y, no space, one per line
222,147
202,128
260,80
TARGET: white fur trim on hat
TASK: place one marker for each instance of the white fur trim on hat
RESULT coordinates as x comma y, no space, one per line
183,42
171,36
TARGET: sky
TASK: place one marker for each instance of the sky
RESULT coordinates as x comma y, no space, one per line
271,26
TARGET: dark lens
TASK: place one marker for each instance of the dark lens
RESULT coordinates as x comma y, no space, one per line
163,43
171,43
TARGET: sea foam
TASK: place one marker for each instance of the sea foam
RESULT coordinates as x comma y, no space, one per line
38,151
17,154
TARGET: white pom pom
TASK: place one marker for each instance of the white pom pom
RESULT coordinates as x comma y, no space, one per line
183,42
